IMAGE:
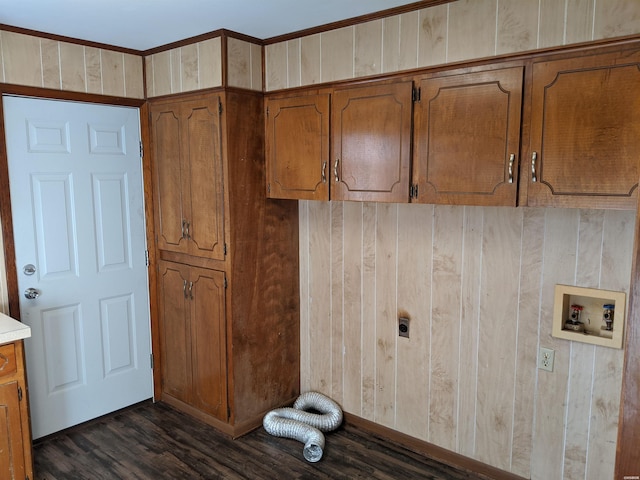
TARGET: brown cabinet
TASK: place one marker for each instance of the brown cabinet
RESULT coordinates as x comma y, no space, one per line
187,152
297,147
192,319
15,441
467,137
585,132
227,293
367,156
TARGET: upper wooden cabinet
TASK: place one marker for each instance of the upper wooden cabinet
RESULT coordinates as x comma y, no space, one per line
371,143
297,147
585,132
467,137
367,157
187,151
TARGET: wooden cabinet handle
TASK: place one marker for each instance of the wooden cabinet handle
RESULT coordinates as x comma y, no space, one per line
512,159
534,176
335,169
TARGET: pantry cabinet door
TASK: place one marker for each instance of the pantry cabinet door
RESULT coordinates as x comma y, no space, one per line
585,132
467,137
371,143
297,147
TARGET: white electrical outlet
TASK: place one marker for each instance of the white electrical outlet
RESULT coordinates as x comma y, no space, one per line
546,356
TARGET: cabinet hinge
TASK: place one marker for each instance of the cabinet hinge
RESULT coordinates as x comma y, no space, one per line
413,191
267,111
141,150
146,258
226,284
415,96
228,412
224,249
268,188
151,360
19,394
219,106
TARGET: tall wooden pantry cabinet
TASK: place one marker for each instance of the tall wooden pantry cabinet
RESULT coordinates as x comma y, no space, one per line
227,272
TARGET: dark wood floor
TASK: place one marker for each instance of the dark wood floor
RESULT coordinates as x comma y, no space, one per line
155,441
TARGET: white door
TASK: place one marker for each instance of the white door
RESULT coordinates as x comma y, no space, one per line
78,221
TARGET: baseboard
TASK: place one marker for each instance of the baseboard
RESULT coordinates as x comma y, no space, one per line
430,450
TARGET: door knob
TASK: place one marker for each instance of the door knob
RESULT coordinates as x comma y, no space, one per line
31,293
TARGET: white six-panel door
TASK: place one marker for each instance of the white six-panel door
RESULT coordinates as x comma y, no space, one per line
79,233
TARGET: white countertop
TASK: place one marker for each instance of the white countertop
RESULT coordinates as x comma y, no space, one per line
12,330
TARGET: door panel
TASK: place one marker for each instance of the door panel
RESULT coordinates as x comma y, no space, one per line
208,342
78,213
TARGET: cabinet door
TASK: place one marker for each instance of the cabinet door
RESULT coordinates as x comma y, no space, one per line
371,143
201,134
175,334
170,184
467,138
208,342
585,132
12,461
297,147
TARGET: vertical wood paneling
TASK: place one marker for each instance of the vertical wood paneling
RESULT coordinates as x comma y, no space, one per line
72,67
499,314
445,326
305,296
256,67
615,272
50,63
336,260
353,306
293,63
174,70
369,334
210,62
112,72
414,301
320,296
391,44
517,26
561,236
408,57
616,18
238,63
368,48
336,58
472,29
189,78
582,355
386,313
552,23
276,66
93,69
579,22
432,39
310,59
21,59
531,265
469,329
133,77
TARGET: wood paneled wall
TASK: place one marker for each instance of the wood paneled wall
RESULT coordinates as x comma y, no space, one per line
46,63
199,65
477,284
457,31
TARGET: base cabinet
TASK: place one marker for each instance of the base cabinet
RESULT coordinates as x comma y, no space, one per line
15,436
192,316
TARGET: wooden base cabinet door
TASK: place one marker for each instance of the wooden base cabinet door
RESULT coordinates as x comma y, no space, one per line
175,334
371,143
12,458
585,132
297,147
208,340
467,138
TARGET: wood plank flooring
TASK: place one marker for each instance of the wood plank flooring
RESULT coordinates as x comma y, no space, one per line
155,441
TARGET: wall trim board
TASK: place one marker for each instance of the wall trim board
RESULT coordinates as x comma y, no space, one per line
356,20
428,449
62,38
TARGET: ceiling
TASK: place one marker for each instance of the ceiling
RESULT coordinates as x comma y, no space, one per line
145,24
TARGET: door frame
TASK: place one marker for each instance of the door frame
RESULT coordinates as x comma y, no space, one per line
6,215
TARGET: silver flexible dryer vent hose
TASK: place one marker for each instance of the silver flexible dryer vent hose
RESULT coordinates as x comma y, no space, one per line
305,426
